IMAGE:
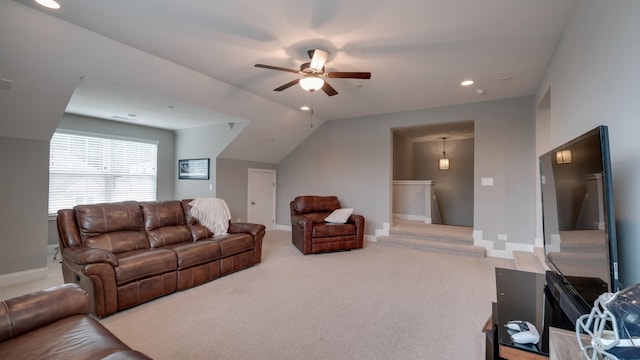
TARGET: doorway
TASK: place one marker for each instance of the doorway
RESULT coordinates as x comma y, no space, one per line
261,197
416,154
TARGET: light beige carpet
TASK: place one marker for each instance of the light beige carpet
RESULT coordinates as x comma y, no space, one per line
374,303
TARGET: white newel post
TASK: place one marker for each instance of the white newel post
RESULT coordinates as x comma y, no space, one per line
429,203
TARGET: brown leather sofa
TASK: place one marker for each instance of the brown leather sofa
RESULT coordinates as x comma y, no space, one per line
127,253
311,234
54,324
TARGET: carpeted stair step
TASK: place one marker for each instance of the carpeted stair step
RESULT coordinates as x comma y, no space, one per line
427,244
433,236
528,261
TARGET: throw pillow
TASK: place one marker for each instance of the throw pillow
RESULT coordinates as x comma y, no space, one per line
339,216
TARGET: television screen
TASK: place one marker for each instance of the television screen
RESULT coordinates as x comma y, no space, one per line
578,217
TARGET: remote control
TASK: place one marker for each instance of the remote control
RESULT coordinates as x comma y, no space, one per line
523,332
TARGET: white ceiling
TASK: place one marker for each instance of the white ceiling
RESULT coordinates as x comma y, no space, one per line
451,131
418,51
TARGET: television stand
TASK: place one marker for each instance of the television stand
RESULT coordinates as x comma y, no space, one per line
523,295
520,296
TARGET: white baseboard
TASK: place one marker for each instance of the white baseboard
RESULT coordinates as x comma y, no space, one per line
509,247
23,276
20,277
370,238
539,242
411,217
384,231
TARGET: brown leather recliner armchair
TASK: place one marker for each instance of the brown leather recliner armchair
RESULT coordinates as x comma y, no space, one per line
311,234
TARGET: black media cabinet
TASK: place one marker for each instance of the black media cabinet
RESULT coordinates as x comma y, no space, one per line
520,296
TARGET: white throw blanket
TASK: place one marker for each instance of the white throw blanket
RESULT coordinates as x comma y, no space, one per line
213,213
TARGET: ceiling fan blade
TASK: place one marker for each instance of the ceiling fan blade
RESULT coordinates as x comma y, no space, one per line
349,75
277,68
328,89
287,85
318,59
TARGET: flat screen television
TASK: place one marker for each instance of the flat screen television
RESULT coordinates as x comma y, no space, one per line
579,222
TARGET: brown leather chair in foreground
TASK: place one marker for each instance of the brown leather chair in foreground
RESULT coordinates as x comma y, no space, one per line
55,324
311,234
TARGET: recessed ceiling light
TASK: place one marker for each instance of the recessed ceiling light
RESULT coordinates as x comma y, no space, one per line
51,4
304,108
467,83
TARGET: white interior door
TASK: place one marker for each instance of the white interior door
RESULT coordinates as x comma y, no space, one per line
261,196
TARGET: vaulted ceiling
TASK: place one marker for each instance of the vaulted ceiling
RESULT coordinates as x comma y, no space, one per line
418,51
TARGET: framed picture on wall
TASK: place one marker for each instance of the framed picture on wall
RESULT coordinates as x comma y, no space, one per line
195,169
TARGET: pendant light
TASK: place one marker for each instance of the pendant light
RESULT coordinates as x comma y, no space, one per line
443,163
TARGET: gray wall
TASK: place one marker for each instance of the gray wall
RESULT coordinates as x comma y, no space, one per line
593,77
454,187
233,182
593,74
166,150
402,158
352,159
23,212
198,143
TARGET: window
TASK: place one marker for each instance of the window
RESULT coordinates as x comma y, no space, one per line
87,168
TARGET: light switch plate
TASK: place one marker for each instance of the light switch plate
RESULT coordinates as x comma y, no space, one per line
486,181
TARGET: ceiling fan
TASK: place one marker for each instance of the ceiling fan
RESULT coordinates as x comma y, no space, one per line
313,73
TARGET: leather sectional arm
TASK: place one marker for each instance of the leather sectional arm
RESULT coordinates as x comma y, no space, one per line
32,311
301,229
95,271
301,221
84,256
358,220
253,229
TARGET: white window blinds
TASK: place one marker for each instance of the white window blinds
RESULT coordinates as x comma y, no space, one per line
89,168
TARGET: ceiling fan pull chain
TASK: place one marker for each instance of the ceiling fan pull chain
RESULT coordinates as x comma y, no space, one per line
311,110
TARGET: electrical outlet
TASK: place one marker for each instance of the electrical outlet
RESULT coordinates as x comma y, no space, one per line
502,237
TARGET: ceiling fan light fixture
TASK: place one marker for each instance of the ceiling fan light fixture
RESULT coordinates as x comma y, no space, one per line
318,60
311,83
